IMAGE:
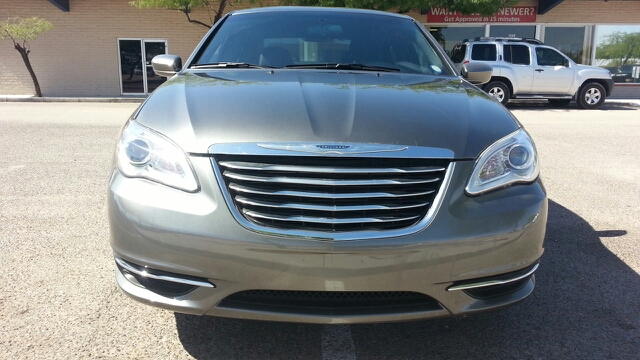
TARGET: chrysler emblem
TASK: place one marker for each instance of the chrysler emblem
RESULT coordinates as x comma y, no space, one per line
338,149
333,147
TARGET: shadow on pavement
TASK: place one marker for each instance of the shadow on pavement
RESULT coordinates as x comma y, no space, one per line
586,305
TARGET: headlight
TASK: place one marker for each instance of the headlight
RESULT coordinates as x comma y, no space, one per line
144,153
512,159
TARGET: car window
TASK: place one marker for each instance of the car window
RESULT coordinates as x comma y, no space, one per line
288,39
484,52
549,57
517,54
458,52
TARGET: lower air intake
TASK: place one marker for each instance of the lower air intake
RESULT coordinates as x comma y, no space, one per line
330,302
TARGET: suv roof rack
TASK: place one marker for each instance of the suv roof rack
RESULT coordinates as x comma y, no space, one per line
509,39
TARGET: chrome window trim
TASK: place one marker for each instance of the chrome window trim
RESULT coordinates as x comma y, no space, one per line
256,149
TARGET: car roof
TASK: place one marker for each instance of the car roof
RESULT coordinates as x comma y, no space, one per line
503,40
314,9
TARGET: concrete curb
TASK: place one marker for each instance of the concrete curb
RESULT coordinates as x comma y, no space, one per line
29,98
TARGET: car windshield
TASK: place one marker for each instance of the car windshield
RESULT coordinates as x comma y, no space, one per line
321,39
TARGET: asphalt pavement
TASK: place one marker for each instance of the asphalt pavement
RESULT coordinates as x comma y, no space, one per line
59,300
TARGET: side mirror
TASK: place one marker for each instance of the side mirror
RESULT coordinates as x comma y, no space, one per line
166,65
566,63
477,73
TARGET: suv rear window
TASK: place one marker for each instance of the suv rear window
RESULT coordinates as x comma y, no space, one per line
457,54
517,54
484,52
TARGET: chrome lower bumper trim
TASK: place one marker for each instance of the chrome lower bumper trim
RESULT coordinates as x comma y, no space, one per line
125,265
493,282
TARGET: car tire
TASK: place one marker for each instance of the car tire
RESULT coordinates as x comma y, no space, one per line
591,96
499,91
559,102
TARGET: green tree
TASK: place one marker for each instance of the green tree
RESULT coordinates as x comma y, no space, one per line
185,6
21,31
620,48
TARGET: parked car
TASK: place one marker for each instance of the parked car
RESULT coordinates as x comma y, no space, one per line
619,76
625,74
529,69
328,166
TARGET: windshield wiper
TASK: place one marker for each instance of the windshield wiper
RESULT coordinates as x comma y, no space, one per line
345,66
228,64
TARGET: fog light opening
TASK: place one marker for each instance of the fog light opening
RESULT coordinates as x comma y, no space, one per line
494,286
160,282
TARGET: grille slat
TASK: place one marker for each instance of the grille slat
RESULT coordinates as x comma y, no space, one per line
309,194
326,182
320,220
330,195
239,165
338,208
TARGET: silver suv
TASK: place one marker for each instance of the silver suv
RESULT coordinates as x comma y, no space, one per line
529,69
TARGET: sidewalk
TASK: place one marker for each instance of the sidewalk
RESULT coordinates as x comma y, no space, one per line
634,102
31,98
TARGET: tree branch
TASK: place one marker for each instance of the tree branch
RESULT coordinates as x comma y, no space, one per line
196,21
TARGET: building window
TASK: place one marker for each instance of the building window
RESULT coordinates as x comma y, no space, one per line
569,40
518,31
449,36
617,48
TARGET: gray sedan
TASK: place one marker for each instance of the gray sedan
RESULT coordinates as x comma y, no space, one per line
327,166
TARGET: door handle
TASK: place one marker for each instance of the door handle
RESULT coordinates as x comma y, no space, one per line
539,70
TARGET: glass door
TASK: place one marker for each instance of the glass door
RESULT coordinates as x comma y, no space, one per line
136,73
151,49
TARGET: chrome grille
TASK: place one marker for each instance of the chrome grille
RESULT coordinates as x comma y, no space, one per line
330,194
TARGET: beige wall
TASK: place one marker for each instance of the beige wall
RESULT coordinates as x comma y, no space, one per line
79,57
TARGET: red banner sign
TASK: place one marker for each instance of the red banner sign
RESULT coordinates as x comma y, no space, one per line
514,14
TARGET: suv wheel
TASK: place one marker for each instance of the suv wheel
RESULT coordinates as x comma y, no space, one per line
499,91
591,96
559,102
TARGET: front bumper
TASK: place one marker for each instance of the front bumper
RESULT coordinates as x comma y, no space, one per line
609,87
194,236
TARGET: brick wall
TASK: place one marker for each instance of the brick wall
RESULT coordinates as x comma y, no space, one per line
79,57
594,12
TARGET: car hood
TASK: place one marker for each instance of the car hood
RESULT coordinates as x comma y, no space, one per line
197,109
602,72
